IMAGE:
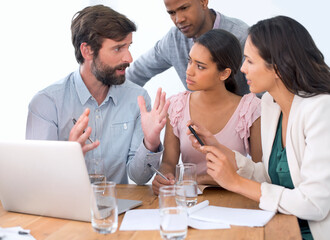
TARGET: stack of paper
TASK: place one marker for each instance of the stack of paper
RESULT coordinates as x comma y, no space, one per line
201,216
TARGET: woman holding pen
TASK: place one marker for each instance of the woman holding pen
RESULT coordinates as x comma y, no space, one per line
282,59
214,59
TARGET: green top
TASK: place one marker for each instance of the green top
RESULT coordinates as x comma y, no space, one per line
279,173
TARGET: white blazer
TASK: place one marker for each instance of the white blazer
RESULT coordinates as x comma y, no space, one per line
308,154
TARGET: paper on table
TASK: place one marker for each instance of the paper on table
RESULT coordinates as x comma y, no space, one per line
198,207
12,233
202,225
149,219
140,219
232,216
201,216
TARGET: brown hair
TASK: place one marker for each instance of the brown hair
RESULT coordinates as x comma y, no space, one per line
226,52
287,47
95,23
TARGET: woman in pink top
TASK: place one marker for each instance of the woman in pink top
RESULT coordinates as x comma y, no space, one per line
214,59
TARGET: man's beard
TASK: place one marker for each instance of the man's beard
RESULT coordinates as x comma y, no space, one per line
106,74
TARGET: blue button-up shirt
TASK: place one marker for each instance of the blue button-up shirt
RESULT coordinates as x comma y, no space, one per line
116,123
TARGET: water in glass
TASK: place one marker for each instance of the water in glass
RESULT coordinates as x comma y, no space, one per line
173,223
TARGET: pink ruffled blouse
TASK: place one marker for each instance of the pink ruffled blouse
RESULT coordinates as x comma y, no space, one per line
235,135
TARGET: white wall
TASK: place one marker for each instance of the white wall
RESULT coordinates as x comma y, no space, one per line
36,45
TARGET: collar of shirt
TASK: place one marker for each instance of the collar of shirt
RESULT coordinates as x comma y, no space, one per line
84,94
114,93
216,23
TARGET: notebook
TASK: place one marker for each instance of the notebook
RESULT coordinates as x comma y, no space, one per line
47,178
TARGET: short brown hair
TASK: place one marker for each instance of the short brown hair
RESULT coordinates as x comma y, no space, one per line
95,23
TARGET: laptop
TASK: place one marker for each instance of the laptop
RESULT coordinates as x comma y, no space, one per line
47,178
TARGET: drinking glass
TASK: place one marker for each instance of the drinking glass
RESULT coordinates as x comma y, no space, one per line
173,212
104,207
95,168
186,176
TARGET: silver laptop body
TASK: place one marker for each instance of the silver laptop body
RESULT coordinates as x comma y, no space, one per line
47,178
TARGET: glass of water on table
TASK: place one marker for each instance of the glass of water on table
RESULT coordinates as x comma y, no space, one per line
186,176
173,212
104,207
95,168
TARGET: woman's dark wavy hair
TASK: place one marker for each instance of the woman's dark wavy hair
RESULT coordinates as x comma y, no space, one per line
226,52
95,23
287,47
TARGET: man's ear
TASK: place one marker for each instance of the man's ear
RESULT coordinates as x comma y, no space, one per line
204,3
225,74
86,51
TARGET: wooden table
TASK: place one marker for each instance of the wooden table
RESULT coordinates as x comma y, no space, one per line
280,227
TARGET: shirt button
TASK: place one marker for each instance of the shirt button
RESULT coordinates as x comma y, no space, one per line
97,116
125,126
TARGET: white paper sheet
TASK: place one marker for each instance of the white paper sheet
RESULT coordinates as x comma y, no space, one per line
201,216
149,219
15,233
140,219
202,225
198,207
233,216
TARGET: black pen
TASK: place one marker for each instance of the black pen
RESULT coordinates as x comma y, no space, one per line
158,172
74,122
196,136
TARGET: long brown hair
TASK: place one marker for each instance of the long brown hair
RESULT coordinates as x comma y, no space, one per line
288,48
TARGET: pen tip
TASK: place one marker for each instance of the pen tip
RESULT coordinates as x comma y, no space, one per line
149,165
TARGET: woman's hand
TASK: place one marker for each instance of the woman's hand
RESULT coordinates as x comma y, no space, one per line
220,166
221,162
159,182
205,135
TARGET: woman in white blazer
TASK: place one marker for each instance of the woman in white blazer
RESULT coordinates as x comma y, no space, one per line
282,60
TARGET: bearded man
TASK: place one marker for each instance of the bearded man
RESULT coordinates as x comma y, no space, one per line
114,112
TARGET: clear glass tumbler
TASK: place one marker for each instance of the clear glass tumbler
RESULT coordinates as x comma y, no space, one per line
186,176
173,212
104,207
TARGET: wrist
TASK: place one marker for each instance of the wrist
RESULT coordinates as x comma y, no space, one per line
237,184
151,146
247,188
